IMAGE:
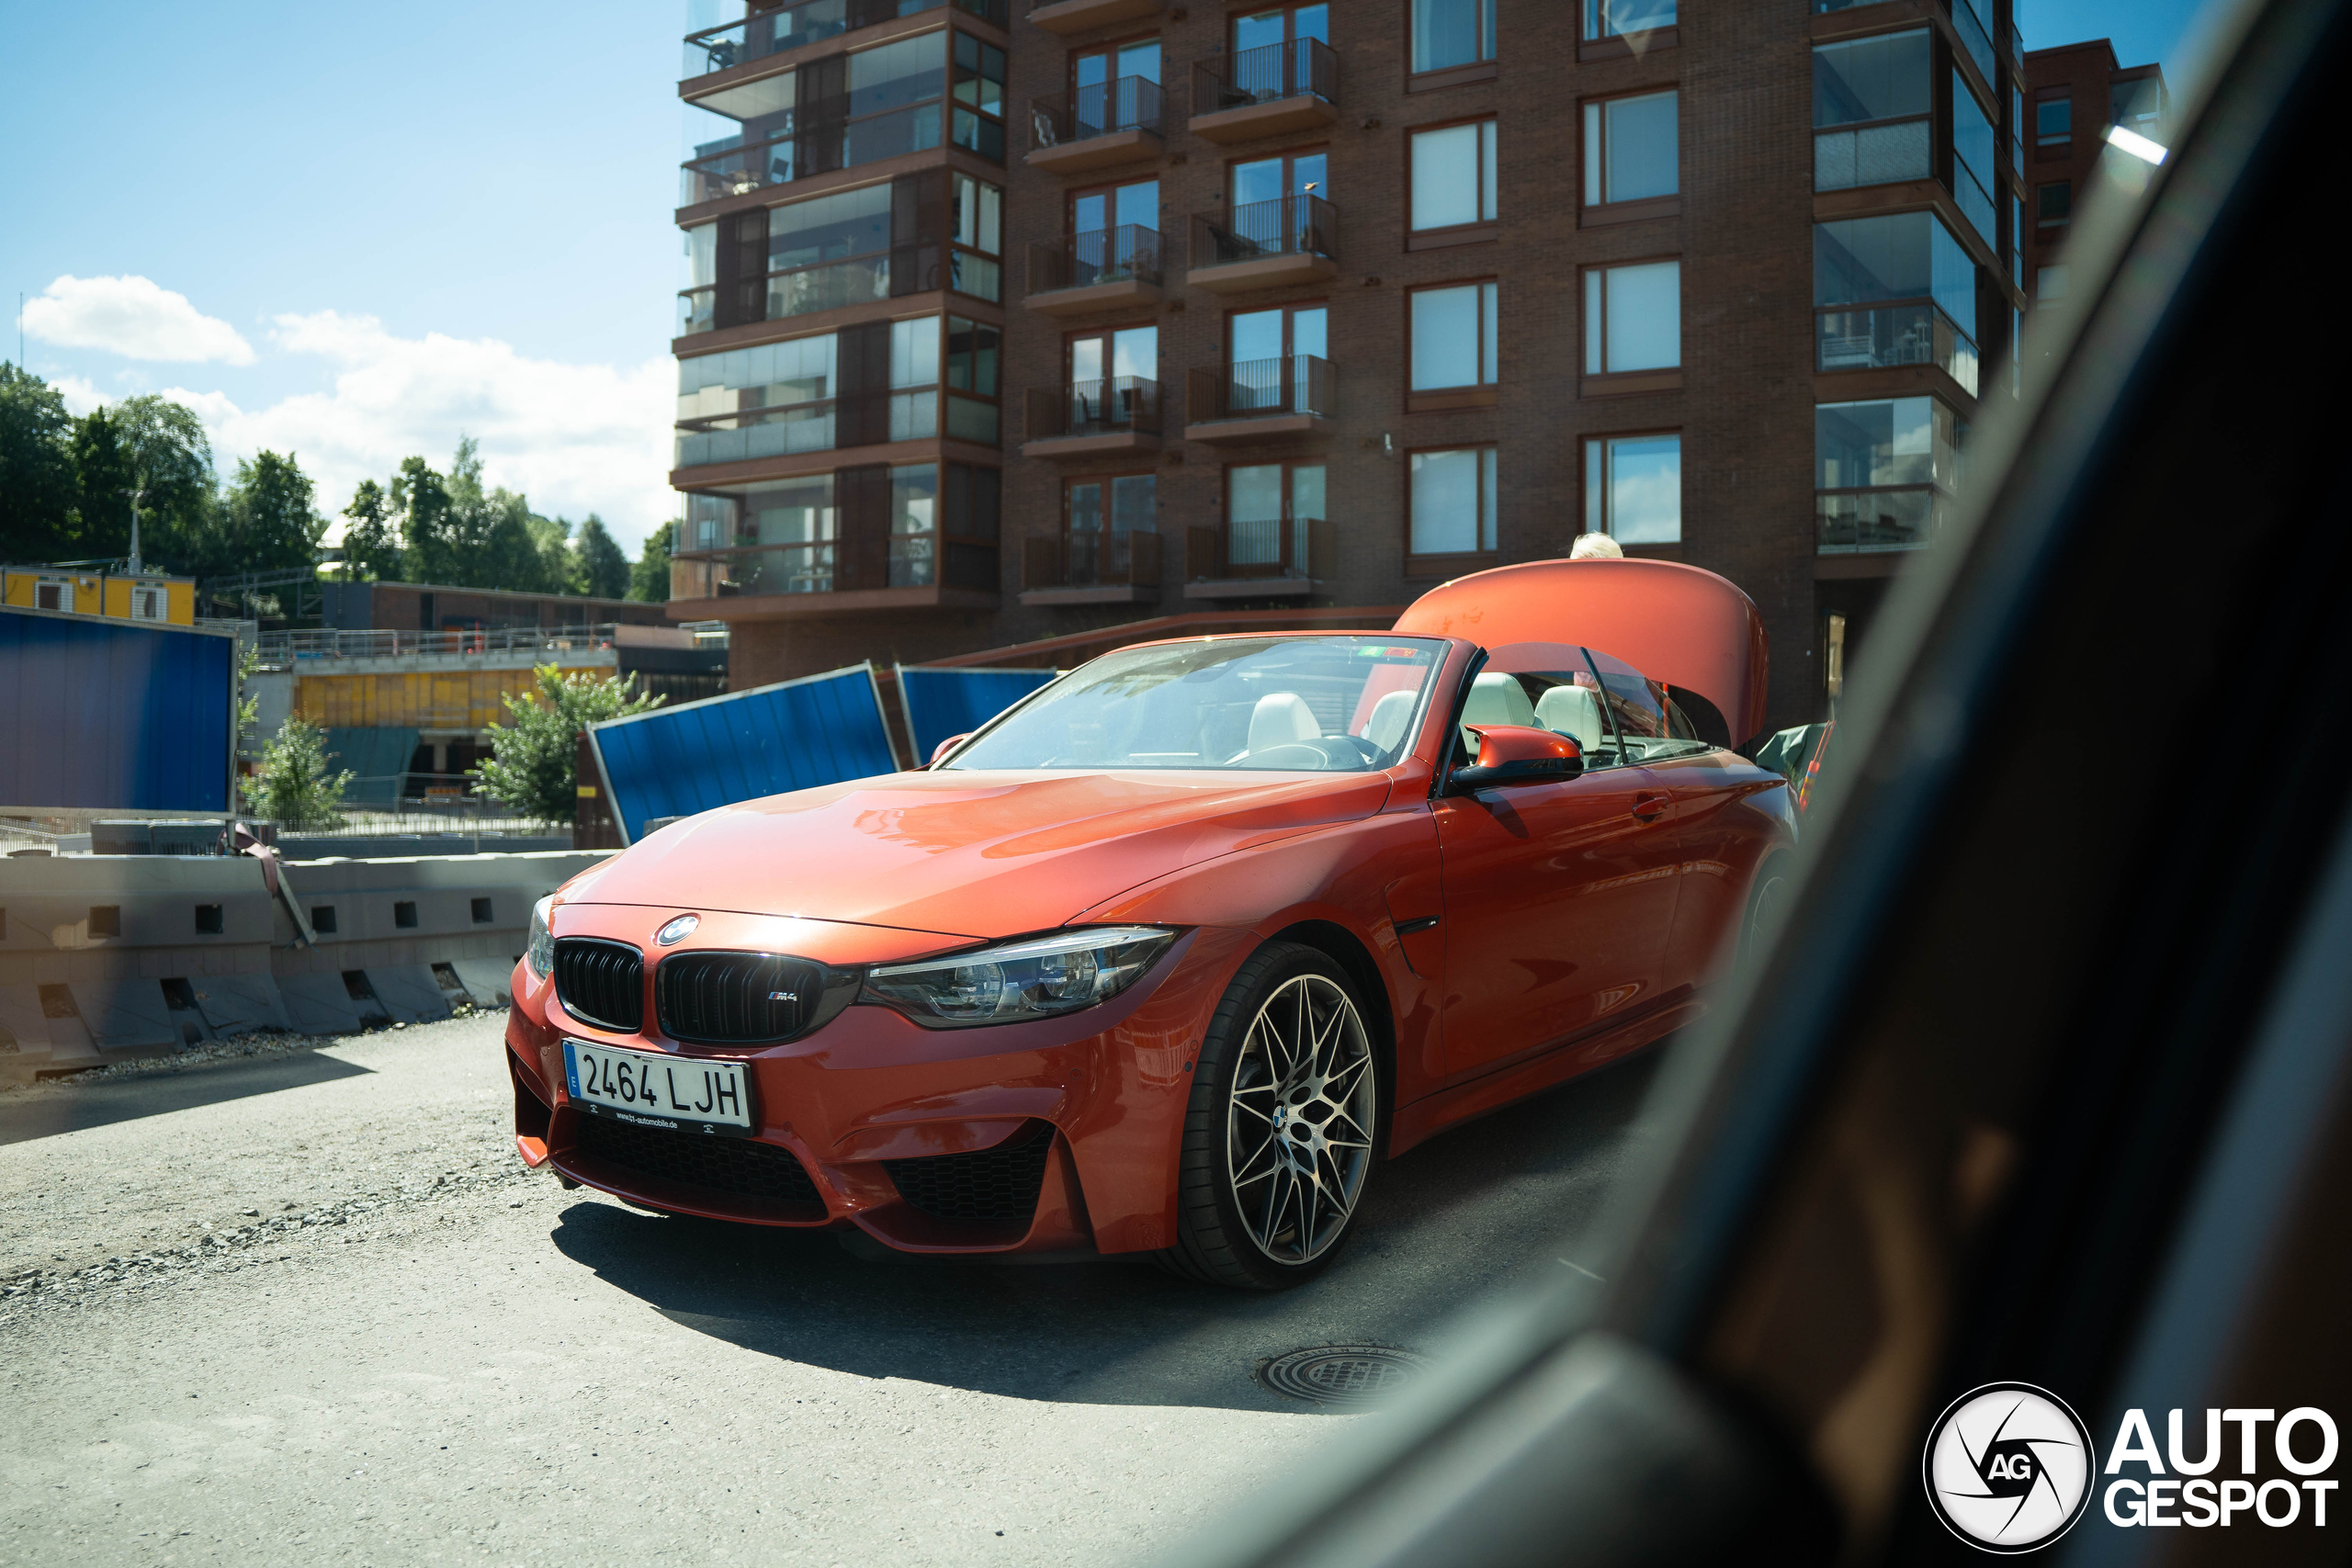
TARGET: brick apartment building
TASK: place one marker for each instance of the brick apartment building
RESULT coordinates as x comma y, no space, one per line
2076,95
1013,323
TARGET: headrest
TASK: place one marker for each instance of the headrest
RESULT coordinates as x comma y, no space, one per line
1575,712
1387,725
1495,698
1280,719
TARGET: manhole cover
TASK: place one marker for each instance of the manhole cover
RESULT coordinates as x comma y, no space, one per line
1343,1374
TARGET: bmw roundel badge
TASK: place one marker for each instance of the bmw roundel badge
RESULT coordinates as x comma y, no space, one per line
677,930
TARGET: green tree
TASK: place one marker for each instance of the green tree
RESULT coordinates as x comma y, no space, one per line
265,521
648,580
559,566
371,539
604,570
533,758
104,468
434,548
292,785
37,491
173,459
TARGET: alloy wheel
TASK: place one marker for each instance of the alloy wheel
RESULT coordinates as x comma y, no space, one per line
1298,1124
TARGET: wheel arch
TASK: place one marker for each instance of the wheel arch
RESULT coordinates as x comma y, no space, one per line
1342,947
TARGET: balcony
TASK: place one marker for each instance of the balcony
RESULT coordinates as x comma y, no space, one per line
1095,126
770,33
1089,569
1875,520
1270,91
1098,270
1077,15
822,144
1120,414
1260,399
1266,558
1852,156
1265,244
877,570
1890,335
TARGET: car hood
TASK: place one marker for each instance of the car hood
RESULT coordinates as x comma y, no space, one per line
973,853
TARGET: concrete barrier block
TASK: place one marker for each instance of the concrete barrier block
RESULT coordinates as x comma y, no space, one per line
127,1015
487,979
235,1004
409,992
320,1004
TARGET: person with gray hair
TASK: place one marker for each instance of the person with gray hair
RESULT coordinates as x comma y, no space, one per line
1596,547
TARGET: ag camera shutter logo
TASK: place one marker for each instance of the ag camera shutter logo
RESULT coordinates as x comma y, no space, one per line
2008,1467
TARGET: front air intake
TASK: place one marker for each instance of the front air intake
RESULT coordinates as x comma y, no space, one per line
601,983
737,999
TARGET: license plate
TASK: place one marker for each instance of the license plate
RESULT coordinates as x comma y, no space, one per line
653,1090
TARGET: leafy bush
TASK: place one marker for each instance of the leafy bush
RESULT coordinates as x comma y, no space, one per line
534,760
293,787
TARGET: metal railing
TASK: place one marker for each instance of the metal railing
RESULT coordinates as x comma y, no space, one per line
1112,406
1302,68
1091,559
281,650
1261,546
1885,335
1128,253
1288,225
1259,389
813,21
1131,103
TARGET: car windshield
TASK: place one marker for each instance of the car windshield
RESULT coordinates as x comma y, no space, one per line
1292,704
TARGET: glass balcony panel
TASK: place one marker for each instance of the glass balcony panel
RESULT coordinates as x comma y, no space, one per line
777,432
913,560
860,282
1862,523
914,416
696,311
1871,156
792,568
968,419
1972,33
1892,336
970,273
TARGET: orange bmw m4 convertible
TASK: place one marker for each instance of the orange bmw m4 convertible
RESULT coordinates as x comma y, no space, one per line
1167,958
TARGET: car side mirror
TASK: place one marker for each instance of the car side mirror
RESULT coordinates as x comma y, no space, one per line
1516,753
946,746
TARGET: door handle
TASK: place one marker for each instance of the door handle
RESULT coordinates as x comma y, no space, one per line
1649,807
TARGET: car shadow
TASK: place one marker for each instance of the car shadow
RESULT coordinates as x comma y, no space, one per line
103,1104
1477,1213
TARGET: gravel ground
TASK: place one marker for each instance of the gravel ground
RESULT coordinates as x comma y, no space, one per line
300,1303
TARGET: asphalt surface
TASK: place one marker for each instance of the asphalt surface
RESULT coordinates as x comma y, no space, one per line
306,1306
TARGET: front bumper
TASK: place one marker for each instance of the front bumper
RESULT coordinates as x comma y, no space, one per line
1055,1135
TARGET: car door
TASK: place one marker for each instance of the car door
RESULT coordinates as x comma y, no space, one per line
1559,896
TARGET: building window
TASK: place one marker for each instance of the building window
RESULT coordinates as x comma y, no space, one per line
2017,128
1273,512
1870,107
1632,488
2017,240
914,379
1101,517
2053,122
976,224
973,350
2139,106
978,92
1614,19
699,297
1883,471
1450,501
829,251
1454,337
2054,203
1971,159
1115,88
1449,34
811,394
1632,318
914,525
1453,176
1630,149
1893,290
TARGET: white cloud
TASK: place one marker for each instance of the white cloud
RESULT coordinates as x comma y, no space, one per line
81,396
133,317
575,438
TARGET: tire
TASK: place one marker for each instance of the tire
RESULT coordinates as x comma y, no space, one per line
1767,902
1268,1211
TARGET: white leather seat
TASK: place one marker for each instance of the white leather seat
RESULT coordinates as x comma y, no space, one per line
1495,698
1575,712
1281,718
1385,727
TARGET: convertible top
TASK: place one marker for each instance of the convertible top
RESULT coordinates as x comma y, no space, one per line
1677,625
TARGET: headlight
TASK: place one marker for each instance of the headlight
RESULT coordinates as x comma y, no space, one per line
541,952
1036,976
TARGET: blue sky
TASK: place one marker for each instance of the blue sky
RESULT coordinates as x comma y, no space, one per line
385,224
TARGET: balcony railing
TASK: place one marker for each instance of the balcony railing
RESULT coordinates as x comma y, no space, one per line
1867,522
1261,389
876,560
1975,204
1091,559
1871,154
1303,68
1129,252
1888,335
1131,103
1972,33
1261,547
1113,406
773,33
279,650
819,146
1287,226
794,428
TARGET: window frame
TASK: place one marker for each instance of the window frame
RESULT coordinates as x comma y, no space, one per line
1593,44
1482,393
2041,206
1482,69
1478,230
1286,526
2064,97
1607,382
1939,488
1452,563
1598,488
949,391
1926,119
1592,213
